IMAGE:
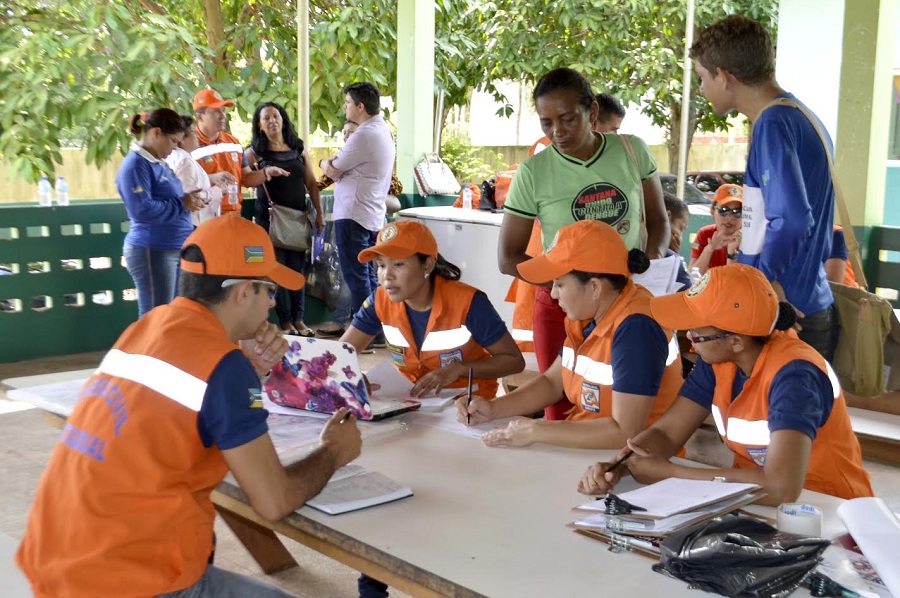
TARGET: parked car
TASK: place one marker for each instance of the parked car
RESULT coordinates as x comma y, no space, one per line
692,196
708,181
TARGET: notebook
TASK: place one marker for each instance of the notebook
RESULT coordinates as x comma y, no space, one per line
324,375
674,496
353,487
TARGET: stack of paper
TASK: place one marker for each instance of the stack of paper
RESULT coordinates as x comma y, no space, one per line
667,506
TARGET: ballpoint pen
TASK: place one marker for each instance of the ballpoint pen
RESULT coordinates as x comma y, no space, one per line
619,461
346,417
469,398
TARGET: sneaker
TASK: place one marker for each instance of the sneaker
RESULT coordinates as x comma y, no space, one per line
368,350
331,332
379,342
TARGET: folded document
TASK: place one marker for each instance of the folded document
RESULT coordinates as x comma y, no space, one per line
353,487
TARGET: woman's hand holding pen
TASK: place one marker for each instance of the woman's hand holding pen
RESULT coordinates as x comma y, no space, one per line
600,478
645,467
479,410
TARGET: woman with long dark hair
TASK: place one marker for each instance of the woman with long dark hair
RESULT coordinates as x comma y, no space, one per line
158,208
274,143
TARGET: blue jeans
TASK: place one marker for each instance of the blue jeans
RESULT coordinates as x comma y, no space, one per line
155,275
289,304
370,587
218,583
351,238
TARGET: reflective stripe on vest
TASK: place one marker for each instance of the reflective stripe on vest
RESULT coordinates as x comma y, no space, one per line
522,335
393,336
674,353
441,340
742,431
596,372
216,148
164,378
835,383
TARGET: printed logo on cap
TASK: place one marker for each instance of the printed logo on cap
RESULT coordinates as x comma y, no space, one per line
698,286
600,201
734,191
389,232
217,95
254,255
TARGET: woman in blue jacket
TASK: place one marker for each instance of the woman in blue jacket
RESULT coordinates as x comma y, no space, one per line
157,206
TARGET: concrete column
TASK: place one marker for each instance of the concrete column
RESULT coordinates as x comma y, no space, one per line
303,70
415,86
864,110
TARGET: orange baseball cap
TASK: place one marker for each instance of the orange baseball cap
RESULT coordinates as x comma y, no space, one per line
727,193
233,246
735,298
210,98
401,239
588,245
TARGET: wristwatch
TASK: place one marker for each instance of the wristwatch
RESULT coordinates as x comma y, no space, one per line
731,256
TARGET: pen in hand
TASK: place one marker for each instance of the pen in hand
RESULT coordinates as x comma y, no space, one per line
346,417
619,461
469,399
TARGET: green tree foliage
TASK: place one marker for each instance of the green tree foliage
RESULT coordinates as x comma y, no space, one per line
72,72
632,49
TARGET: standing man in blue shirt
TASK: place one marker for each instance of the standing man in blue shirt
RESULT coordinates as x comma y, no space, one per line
362,177
788,207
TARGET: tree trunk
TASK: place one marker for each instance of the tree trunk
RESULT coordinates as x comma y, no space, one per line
675,135
215,32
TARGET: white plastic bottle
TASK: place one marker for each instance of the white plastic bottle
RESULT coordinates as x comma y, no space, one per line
45,192
233,198
467,198
62,191
695,275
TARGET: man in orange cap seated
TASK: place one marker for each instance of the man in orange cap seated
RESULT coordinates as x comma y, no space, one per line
123,508
776,402
220,154
618,369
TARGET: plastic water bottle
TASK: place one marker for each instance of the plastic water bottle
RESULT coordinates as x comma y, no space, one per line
695,275
467,198
233,198
45,192
62,191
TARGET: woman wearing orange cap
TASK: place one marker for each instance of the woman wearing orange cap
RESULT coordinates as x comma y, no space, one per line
717,244
436,327
776,402
618,367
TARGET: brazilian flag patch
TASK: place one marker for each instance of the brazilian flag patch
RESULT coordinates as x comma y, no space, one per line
256,401
253,254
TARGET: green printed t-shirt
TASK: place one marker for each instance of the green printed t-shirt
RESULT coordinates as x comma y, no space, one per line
559,190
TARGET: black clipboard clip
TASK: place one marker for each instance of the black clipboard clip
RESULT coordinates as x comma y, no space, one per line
617,506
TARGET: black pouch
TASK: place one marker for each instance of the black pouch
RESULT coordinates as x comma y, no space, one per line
487,201
741,557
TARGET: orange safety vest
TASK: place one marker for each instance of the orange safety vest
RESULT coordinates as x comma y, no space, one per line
123,506
522,294
587,362
835,462
225,154
446,337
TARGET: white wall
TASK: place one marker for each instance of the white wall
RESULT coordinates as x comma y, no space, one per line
808,55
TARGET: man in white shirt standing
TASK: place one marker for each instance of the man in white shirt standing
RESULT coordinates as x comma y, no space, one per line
362,175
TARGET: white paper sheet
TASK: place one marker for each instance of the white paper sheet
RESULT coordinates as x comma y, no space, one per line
876,531
394,385
659,279
446,420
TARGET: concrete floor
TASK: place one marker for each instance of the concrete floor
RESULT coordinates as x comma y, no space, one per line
26,442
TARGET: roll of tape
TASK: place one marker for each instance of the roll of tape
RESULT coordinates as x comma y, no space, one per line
798,518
